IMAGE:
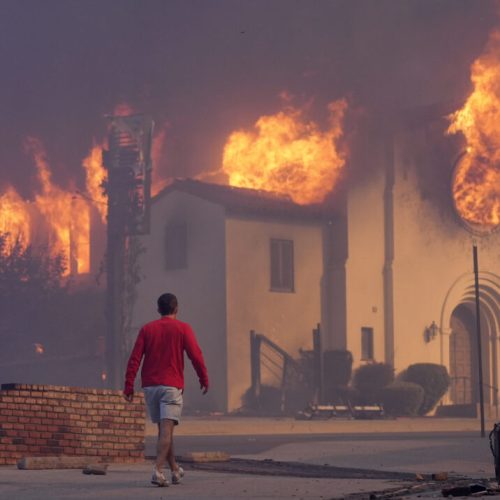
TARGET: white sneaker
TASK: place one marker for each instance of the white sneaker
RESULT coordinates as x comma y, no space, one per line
177,475
159,478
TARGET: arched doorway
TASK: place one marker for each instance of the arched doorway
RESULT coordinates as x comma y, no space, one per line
458,328
463,367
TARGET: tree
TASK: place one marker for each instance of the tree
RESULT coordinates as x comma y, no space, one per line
49,328
31,284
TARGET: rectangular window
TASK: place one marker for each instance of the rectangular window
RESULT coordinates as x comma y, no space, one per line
176,246
366,343
282,272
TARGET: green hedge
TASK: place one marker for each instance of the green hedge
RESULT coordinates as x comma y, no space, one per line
433,379
402,399
370,379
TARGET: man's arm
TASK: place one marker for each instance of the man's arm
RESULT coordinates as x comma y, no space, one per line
195,355
133,365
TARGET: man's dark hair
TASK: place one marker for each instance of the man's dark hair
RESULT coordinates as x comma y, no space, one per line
167,304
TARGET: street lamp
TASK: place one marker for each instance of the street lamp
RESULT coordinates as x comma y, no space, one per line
431,332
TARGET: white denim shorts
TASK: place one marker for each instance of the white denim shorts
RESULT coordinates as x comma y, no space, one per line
163,401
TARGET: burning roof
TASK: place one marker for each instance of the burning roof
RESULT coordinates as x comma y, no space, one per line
245,201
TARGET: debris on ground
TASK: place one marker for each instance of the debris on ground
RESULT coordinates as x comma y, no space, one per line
440,476
42,463
458,487
295,469
96,469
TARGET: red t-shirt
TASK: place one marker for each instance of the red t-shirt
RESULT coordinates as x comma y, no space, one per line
162,343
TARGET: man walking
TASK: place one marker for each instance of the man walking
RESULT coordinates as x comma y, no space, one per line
162,343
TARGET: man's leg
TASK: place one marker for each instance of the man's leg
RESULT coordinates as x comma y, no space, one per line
165,434
171,455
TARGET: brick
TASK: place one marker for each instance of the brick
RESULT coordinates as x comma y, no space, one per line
72,421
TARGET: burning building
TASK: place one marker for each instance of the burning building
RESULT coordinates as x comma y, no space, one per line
383,262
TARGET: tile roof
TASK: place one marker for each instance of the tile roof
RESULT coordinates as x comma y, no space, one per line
244,201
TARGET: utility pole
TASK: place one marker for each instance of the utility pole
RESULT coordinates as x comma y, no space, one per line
128,187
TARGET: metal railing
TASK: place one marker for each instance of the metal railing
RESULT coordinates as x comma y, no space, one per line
267,356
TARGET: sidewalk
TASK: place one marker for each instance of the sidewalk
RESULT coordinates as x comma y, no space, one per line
229,425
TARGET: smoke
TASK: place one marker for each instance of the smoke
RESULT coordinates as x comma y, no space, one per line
211,68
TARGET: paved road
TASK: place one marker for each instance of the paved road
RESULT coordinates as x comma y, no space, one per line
132,483
256,444
462,453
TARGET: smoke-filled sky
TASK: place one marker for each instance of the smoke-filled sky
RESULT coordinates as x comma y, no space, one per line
205,68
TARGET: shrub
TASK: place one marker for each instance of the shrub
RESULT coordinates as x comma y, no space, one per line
268,401
433,379
337,371
402,398
370,379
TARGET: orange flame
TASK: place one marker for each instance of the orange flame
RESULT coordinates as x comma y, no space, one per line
158,181
288,155
476,185
96,175
67,215
123,109
39,349
15,218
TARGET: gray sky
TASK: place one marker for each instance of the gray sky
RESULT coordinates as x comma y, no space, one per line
209,67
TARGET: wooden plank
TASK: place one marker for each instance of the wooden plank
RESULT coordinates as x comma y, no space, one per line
206,456
96,469
39,463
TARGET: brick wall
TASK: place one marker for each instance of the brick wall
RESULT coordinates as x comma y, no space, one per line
47,420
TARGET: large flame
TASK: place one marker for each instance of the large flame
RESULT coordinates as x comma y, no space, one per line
66,214
288,155
63,213
476,186
15,218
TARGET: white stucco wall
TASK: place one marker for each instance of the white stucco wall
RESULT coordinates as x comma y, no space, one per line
200,287
432,267
432,251
286,318
364,266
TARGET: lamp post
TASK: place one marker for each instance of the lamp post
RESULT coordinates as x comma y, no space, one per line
478,333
